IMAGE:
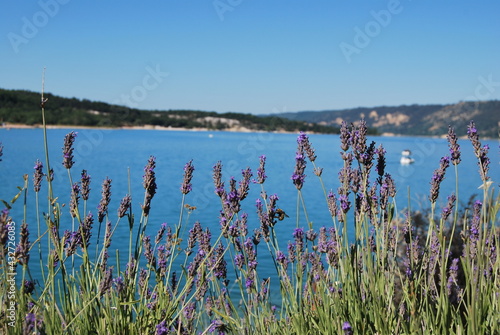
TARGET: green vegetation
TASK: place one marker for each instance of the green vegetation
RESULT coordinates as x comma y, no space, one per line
423,120
389,277
22,107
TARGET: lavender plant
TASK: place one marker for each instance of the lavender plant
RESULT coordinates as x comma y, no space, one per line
391,276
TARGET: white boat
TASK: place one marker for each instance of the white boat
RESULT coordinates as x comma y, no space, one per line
406,157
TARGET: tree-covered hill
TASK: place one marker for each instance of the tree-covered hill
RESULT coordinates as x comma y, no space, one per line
414,119
23,107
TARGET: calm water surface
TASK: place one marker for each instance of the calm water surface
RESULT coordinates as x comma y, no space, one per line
118,154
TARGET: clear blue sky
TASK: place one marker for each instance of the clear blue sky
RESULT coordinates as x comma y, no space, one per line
253,56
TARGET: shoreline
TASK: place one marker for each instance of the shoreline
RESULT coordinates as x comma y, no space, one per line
234,129
145,127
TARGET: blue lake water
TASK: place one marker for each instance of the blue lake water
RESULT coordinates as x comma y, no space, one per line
119,153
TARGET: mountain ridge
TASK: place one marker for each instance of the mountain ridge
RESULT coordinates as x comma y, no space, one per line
23,107
415,119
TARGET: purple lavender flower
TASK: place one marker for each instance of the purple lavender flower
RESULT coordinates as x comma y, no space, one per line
160,233
332,250
194,234
220,265
38,175
28,286
434,252
219,326
75,196
106,281
303,141
282,259
454,146
452,276
332,204
437,178
322,240
291,252
244,184
345,136
480,151
23,247
446,211
261,171
142,282
162,329
119,284
311,235
149,183
239,260
217,177
346,327
484,163
162,260
32,324
188,175
355,179
107,236
242,224
474,230
86,230
250,253
298,235
69,139
204,241
358,139
124,206
298,175
85,180
345,204
148,250
232,202
380,163
71,241
189,312
102,208
249,283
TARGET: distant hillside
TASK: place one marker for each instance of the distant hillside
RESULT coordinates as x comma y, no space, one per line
23,107
414,119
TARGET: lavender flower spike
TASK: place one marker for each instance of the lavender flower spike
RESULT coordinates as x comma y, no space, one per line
298,175
303,141
38,175
217,177
149,183
69,139
22,249
437,178
454,146
75,196
188,175
124,206
344,136
85,190
261,172
106,198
